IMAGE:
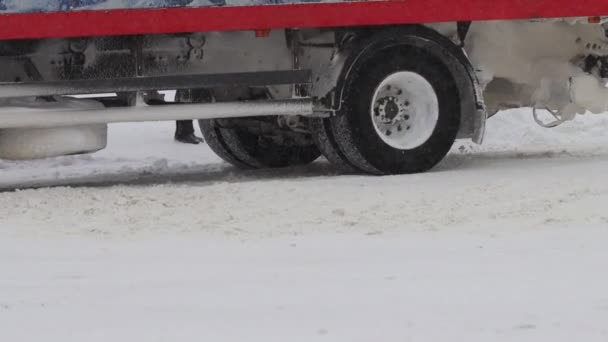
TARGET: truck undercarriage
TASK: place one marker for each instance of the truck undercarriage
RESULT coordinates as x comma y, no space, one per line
375,99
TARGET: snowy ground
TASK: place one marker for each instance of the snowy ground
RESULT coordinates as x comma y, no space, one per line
157,241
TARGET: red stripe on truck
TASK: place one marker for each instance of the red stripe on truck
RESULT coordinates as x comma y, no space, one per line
264,17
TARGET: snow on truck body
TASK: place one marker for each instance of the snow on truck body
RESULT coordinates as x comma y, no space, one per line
375,86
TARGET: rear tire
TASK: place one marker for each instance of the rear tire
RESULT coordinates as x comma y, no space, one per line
400,111
244,148
247,150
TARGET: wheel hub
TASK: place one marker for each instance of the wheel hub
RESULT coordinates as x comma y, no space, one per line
405,110
391,110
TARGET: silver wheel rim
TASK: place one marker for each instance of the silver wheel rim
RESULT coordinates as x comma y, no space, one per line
405,110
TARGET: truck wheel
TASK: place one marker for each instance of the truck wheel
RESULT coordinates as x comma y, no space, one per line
400,110
247,150
244,144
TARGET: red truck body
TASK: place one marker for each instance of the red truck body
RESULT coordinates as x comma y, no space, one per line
296,15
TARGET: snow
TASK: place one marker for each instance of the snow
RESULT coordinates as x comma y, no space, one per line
158,241
537,286
530,63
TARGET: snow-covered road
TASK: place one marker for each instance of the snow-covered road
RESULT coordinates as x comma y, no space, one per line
159,241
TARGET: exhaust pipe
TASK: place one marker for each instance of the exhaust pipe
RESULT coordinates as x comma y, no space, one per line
46,118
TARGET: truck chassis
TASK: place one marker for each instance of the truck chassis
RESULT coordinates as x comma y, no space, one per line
385,93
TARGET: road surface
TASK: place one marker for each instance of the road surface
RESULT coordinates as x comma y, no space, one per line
156,241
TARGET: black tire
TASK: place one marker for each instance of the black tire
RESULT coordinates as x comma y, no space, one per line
353,129
215,140
232,142
251,151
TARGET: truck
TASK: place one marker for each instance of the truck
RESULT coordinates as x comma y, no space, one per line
375,87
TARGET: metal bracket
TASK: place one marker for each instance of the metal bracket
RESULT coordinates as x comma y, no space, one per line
557,115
